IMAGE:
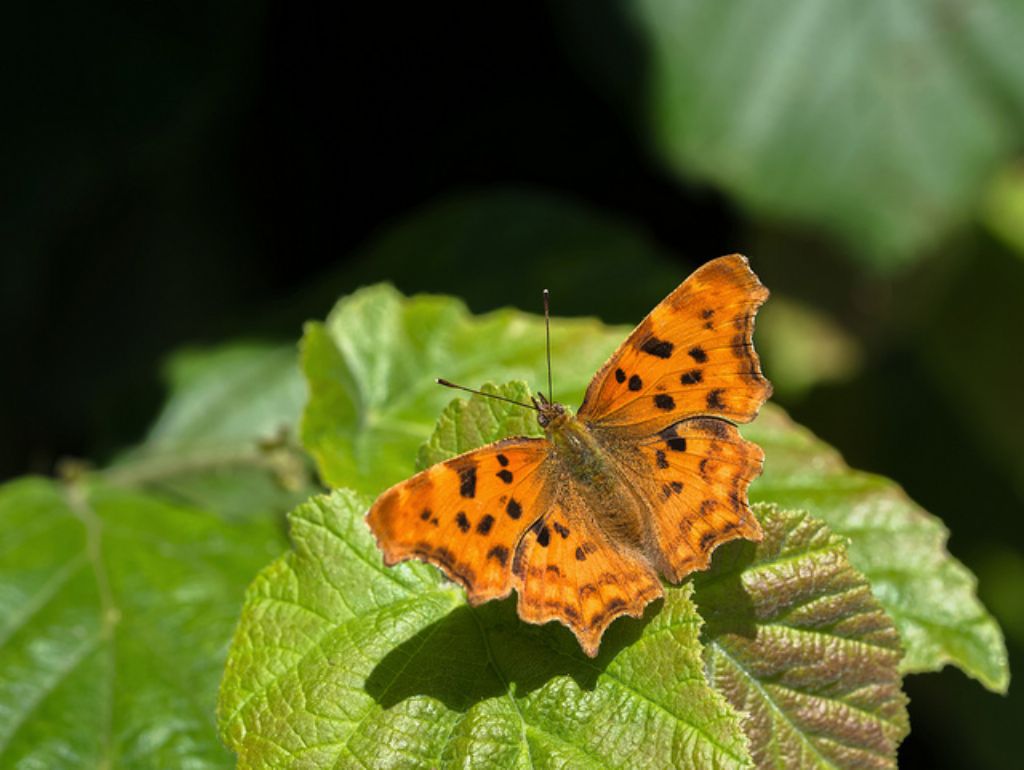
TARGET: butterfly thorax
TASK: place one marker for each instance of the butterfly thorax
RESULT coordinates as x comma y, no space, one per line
593,480
576,447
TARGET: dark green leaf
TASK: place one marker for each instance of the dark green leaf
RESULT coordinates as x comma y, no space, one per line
899,547
798,643
340,661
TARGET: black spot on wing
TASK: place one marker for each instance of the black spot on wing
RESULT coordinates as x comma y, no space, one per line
544,537
461,521
426,514
664,401
620,376
502,460
499,553
561,529
581,555
715,399
677,444
691,377
659,348
505,475
513,509
635,383
697,354
660,457
467,481
485,524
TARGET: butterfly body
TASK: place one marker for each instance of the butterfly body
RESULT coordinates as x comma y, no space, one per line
646,479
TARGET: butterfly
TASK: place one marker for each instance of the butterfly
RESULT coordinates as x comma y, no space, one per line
647,478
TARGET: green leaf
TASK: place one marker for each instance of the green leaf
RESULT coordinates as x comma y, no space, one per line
881,121
225,437
798,643
229,395
115,608
372,366
794,631
466,425
339,661
900,547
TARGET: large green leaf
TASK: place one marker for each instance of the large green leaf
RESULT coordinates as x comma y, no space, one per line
794,632
798,644
899,547
879,120
371,369
342,662
122,591
115,610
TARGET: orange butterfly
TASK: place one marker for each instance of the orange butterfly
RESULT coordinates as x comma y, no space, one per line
649,476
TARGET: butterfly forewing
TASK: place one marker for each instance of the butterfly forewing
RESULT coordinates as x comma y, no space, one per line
693,355
466,515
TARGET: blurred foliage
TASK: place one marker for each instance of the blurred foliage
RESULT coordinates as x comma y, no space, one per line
803,347
1003,209
881,122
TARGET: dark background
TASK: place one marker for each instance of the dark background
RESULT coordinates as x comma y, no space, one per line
192,173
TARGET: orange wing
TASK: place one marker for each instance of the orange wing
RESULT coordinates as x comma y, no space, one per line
693,355
565,570
466,515
694,477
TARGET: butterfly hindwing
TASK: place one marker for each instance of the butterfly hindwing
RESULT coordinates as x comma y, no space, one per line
565,569
694,477
465,515
692,355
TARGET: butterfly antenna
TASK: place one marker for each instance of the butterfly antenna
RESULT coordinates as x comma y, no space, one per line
547,331
448,384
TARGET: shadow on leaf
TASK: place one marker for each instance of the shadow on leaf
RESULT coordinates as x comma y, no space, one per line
475,653
720,596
